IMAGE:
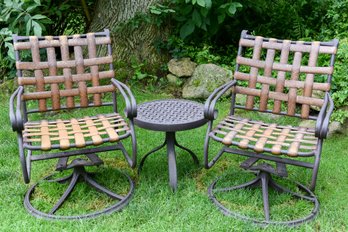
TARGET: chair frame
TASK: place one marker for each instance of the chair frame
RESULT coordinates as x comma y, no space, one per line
321,130
19,116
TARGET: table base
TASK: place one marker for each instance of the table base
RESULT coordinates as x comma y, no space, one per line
171,142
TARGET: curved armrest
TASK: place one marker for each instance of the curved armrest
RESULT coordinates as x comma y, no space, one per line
16,115
131,106
209,106
321,128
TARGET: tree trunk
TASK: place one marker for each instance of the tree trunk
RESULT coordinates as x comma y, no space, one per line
132,38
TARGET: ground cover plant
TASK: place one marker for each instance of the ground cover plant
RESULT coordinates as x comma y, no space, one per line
154,206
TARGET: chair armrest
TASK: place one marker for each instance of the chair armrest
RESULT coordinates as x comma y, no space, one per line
16,117
131,106
209,107
321,128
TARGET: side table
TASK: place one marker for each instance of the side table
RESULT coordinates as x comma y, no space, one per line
170,116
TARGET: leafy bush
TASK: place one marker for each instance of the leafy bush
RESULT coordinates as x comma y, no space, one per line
17,17
197,18
339,83
34,18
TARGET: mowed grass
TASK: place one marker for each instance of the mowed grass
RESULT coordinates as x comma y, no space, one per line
154,207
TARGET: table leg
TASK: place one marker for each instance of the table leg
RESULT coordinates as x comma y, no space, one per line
194,157
170,140
147,154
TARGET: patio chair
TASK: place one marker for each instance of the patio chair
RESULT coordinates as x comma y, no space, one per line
277,77
57,74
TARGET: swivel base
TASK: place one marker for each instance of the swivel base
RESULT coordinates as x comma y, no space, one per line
79,173
265,180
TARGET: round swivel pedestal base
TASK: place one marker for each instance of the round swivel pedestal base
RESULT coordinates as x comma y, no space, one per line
79,173
265,180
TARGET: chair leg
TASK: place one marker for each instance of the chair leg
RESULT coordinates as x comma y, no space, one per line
316,166
79,171
66,194
210,164
266,181
23,159
132,160
264,184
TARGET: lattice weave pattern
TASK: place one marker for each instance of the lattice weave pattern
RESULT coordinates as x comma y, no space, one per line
170,111
264,137
283,72
75,132
72,79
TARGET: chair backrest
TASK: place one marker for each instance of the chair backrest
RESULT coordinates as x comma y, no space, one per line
64,71
280,74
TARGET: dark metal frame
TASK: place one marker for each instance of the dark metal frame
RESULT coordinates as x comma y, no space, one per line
170,128
171,142
19,116
321,130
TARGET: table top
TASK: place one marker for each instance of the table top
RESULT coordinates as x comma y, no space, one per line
170,115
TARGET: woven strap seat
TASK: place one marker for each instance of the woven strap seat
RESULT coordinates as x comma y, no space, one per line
64,134
265,137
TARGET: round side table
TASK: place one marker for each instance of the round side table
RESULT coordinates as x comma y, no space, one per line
170,116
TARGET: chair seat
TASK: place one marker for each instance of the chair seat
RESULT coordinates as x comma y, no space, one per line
81,132
265,137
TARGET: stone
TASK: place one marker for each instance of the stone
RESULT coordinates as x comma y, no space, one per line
335,128
315,94
308,123
183,67
241,99
205,79
172,79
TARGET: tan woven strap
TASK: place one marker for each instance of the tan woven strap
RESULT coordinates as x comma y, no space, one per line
263,137
274,79
307,91
75,132
280,82
254,71
65,79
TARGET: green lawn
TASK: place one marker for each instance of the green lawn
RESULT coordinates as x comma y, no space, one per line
154,207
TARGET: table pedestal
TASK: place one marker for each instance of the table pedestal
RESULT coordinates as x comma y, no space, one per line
171,142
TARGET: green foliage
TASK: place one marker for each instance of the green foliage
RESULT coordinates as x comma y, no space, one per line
17,17
336,19
339,82
285,19
197,17
24,17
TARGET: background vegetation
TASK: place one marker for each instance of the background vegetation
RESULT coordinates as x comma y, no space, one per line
206,31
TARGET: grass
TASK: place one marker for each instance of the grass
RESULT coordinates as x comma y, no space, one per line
154,207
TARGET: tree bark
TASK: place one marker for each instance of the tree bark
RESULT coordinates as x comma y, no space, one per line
132,40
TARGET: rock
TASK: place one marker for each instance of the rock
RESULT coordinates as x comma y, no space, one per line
335,128
183,67
308,123
205,79
172,79
241,99
315,94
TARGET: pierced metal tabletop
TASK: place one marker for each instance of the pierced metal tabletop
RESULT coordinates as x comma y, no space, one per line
170,115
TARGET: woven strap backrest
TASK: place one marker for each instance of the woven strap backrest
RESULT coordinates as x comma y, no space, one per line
273,72
64,71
